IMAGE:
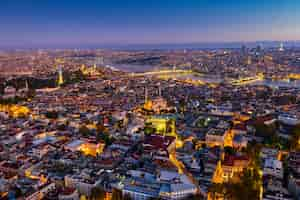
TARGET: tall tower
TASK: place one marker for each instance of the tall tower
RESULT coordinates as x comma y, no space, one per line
26,85
101,62
281,47
148,103
174,68
59,64
249,60
60,76
82,68
159,90
146,95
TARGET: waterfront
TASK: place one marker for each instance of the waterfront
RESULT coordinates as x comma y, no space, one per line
203,77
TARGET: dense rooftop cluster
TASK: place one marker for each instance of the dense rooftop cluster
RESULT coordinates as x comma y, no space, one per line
109,134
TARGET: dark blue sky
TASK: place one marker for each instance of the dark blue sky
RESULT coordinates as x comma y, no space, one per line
77,22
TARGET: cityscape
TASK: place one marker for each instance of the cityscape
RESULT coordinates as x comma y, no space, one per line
144,113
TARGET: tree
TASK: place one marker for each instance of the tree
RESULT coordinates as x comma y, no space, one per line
253,151
295,139
126,197
97,193
155,198
31,93
116,194
52,114
195,197
249,185
247,188
229,150
149,129
62,127
2,87
217,190
265,131
84,131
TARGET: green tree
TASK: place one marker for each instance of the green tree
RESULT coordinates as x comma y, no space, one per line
97,193
265,131
84,131
116,194
149,129
195,197
126,197
229,150
31,93
52,114
295,139
253,152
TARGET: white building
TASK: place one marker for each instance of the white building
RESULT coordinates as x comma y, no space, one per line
42,192
289,118
175,186
273,167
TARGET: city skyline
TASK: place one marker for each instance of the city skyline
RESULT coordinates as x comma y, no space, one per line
149,100
53,23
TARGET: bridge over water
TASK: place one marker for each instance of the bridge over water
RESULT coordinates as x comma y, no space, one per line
162,72
197,79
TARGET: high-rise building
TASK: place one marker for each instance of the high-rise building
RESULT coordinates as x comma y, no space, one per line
249,60
281,48
244,50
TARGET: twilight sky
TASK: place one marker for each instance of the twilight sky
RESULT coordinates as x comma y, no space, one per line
77,22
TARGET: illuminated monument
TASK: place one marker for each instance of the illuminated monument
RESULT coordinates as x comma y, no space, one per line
163,124
59,65
147,102
156,105
90,71
60,77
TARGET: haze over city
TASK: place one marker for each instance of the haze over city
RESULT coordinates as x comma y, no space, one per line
51,23
149,100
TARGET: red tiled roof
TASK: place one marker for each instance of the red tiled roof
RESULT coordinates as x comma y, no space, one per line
158,141
229,159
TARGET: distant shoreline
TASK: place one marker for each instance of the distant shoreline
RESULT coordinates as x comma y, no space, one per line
162,46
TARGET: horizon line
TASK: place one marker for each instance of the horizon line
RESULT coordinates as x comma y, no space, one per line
120,45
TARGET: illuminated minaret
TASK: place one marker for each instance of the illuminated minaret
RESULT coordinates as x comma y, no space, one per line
82,68
174,68
148,103
26,85
146,95
159,90
60,76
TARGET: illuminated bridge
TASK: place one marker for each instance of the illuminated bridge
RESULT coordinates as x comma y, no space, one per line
247,80
162,72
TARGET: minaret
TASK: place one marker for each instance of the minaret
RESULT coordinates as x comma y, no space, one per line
60,76
82,68
26,85
146,95
174,68
159,90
